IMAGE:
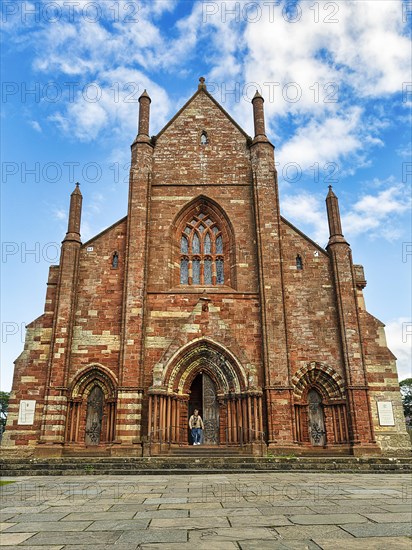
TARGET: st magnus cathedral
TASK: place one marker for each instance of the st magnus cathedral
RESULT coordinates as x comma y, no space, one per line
205,297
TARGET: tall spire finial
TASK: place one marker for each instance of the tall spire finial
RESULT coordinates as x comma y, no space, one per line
75,214
259,117
335,227
144,117
77,189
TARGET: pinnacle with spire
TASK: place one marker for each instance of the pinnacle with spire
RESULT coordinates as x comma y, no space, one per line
259,119
144,118
145,94
335,226
76,190
75,214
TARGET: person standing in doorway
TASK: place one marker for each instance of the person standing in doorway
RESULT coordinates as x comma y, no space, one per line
196,426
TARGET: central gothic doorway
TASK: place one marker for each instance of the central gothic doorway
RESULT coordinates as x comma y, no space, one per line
203,396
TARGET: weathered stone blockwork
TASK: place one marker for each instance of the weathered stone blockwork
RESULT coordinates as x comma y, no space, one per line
204,296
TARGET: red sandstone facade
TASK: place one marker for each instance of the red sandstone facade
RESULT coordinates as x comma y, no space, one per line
204,296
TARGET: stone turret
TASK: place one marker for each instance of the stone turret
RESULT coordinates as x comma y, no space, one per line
361,430
335,226
144,117
75,214
259,118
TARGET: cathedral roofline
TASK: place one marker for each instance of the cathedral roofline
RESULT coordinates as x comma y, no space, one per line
320,248
103,232
203,90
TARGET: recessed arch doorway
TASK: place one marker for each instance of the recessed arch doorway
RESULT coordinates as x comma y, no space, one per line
208,377
203,396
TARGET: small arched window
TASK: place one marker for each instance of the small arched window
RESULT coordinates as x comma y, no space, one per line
299,263
201,252
203,138
115,260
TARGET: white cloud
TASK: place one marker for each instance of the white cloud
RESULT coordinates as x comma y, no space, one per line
365,47
398,335
94,204
374,215
35,125
325,141
60,214
336,54
405,152
377,214
115,109
307,210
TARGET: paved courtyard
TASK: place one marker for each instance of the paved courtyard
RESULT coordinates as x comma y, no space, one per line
247,511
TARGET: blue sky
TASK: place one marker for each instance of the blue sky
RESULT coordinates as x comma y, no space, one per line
336,77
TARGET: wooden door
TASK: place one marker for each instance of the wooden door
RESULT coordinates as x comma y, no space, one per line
94,416
210,412
317,434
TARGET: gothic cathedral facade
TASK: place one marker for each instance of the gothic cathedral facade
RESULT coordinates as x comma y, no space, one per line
205,297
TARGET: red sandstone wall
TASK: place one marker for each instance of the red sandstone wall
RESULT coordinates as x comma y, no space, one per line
98,308
313,333
179,159
30,371
183,170
383,383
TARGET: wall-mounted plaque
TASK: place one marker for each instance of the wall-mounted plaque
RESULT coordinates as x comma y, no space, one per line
26,412
385,413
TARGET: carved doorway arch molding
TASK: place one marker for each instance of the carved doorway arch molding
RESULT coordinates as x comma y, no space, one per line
320,406
240,405
92,407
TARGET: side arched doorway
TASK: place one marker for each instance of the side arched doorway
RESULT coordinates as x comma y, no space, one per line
321,420
91,412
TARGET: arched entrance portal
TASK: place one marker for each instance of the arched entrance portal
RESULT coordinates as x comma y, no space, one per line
203,396
320,408
91,410
205,376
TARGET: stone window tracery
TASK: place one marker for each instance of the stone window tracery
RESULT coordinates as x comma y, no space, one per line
201,252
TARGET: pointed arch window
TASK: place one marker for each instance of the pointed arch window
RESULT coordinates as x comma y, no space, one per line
201,252
203,138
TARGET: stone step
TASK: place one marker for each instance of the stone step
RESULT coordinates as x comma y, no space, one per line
197,465
202,450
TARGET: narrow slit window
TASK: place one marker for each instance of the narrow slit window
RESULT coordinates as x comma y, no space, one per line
299,263
115,260
203,138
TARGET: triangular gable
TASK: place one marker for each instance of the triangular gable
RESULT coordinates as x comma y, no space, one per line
203,90
308,239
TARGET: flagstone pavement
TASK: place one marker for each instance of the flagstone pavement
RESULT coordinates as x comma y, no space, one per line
245,511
